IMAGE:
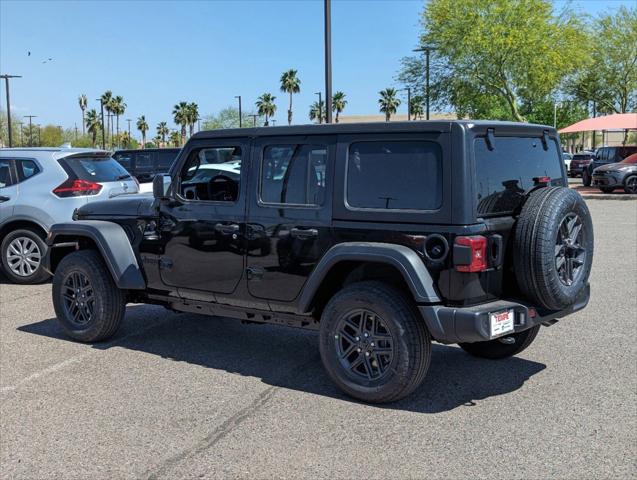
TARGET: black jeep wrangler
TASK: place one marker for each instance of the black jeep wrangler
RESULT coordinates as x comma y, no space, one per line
383,237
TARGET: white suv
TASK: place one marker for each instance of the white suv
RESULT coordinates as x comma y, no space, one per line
43,186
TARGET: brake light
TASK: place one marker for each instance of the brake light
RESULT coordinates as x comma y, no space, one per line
77,188
470,253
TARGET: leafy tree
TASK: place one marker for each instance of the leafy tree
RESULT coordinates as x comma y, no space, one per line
175,138
266,106
291,84
93,125
338,104
162,131
83,102
227,118
181,118
192,115
317,111
118,108
142,126
388,102
51,136
493,55
125,139
106,100
416,107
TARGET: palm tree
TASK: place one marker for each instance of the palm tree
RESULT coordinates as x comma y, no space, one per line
175,138
125,138
416,107
192,114
119,107
106,99
180,116
388,102
93,124
162,131
338,104
317,111
142,126
291,84
83,101
266,106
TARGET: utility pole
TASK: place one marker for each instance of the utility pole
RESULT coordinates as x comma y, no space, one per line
6,84
408,103
102,120
320,107
239,97
129,120
76,131
30,117
254,119
328,61
427,49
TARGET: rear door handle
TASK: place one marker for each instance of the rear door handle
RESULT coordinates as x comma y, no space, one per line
304,233
4,198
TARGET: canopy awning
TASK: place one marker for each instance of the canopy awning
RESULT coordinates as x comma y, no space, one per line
619,121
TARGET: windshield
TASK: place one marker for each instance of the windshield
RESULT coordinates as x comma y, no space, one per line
97,169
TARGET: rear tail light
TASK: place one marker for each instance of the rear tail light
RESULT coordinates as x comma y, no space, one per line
470,253
77,188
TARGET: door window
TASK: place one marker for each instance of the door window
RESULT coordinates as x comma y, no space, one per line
212,174
293,174
26,169
5,173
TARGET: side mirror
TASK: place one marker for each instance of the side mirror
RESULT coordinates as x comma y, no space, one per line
161,185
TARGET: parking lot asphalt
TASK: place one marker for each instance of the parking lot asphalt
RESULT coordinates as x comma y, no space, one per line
183,396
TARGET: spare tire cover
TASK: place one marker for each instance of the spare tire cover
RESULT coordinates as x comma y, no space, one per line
553,247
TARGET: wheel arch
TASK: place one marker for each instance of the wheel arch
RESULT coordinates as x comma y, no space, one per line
19,223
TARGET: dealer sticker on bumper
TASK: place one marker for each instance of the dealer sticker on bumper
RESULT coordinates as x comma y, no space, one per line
501,322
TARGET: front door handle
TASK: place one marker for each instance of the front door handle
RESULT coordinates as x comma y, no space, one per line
304,233
4,198
232,228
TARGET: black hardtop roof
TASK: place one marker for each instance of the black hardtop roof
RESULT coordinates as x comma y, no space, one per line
436,126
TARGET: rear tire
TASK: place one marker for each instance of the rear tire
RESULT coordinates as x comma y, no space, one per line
389,346
88,304
496,350
630,185
22,253
586,178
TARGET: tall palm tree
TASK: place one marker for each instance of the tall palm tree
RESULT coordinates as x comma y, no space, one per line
388,102
119,107
266,106
83,101
192,115
291,84
416,108
125,139
162,131
317,111
106,100
338,104
180,116
93,124
142,126
175,138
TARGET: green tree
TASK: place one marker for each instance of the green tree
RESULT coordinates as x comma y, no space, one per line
118,107
291,84
266,106
338,104
83,102
181,118
93,125
317,111
192,115
125,139
51,136
106,99
175,138
388,102
162,131
142,126
493,55
227,118
416,107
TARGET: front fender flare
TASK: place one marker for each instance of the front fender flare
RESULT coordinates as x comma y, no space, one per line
403,258
112,243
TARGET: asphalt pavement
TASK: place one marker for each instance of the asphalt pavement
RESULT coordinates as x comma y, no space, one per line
182,396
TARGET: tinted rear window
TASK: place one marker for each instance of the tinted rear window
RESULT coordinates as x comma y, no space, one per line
96,169
165,159
390,175
505,173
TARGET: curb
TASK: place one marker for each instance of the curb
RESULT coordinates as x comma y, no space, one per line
608,196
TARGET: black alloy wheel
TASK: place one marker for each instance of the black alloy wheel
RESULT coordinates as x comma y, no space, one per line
79,299
570,256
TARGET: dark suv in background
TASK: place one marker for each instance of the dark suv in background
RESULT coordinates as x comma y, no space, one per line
145,164
604,156
579,162
383,237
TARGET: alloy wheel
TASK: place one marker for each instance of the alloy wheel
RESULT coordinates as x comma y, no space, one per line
570,256
631,184
78,298
23,256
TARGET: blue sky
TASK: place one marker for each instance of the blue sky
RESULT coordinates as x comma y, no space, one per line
155,54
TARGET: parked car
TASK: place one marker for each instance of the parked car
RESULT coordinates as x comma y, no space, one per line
617,175
43,186
604,156
383,237
579,162
145,164
567,160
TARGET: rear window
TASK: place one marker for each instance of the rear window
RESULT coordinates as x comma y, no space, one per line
166,159
394,175
582,156
504,174
96,169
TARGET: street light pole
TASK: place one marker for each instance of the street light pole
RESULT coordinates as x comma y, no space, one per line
427,49
240,123
254,119
6,84
328,61
320,107
30,117
128,120
102,119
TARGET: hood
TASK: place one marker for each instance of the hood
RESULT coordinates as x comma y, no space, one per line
611,166
123,206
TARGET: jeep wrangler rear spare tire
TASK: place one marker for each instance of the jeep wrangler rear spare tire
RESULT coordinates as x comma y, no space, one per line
373,344
88,304
553,247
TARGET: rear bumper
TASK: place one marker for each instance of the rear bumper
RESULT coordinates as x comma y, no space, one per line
471,324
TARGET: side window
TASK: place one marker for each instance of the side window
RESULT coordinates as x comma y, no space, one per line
293,174
165,160
124,159
212,174
26,169
143,161
5,173
405,175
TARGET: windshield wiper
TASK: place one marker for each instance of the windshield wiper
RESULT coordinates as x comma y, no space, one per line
123,176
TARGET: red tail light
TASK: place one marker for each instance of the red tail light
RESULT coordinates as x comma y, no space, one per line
470,253
77,188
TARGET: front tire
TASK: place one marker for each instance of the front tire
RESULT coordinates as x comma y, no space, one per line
22,253
630,185
586,178
88,304
373,344
497,349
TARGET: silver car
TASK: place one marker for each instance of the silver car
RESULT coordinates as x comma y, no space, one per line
43,186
